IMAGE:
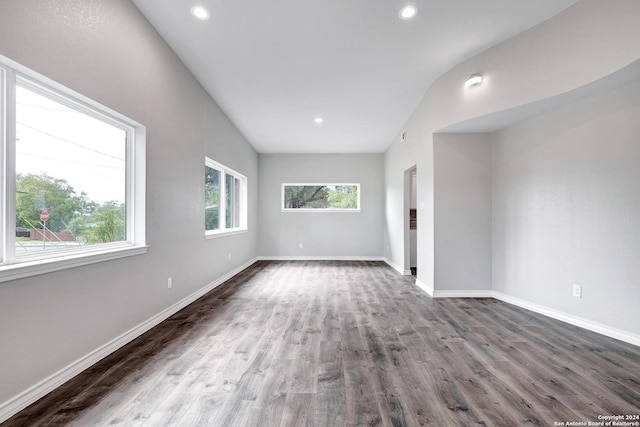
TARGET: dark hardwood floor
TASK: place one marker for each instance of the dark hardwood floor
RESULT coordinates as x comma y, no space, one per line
348,343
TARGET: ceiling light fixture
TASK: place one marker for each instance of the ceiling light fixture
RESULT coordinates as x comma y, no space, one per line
200,13
318,120
473,80
408,12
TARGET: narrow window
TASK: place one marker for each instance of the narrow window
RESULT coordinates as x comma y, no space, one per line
225,199
212,198
321,197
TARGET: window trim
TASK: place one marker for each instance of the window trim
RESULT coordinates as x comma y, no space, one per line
14,267
242,203
317,210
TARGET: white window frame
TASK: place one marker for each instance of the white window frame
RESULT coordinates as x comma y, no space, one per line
14,267
242,203
326,210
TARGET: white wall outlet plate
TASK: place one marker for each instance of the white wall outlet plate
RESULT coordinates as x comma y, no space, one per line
577,291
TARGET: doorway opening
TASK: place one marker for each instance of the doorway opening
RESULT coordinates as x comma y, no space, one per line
411,221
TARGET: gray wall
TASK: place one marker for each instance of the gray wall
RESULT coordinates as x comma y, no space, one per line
566,209
590,40
462,215
323,234
106,50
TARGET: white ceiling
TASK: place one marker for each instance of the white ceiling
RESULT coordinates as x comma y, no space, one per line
273,66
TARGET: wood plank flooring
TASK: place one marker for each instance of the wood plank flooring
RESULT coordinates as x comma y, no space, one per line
293,343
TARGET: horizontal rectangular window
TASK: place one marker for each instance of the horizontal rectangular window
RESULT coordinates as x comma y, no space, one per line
321,197
73,178
225,196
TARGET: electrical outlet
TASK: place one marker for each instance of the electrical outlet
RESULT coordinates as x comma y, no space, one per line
300,245
577,291
169,283
229,258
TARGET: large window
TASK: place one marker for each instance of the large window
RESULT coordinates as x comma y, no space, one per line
321,197
72,176
225,196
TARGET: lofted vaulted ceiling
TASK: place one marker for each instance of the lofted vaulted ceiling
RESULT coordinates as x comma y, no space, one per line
274,66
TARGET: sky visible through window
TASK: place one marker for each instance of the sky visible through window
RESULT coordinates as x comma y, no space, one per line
63,143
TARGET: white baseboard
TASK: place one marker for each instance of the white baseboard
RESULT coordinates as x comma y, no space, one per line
320,258
571,319
396,267
463,294
536,308
39,390
426,288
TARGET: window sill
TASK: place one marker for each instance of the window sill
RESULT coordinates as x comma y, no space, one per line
216,234
322,210
33,268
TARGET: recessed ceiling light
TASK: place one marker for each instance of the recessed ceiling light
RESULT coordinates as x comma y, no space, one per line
200,13
473,80
408,12
318,120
